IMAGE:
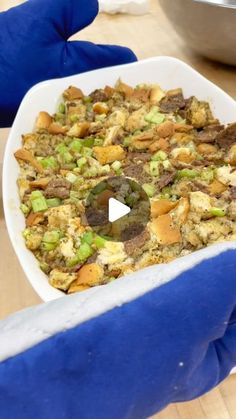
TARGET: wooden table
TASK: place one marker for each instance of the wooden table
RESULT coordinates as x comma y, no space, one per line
147,35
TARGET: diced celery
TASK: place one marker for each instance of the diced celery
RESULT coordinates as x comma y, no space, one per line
44,267
24,209
207,174
86,151
61,148
81,162
38,201
217,212
26,233
88,142
51,236
72,262
91,172
159,156
154,116
67,157
180,120
53,202
99,242
74,118
166,164
48,246
49,162
98,141
71,177
154,168
149,189
62,108
127,141
87,99
70,166
188,173
76,146
116,165
100,187
105,169
35,194
59,117
87,238
84,251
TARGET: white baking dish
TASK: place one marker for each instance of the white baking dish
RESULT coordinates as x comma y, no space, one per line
168,72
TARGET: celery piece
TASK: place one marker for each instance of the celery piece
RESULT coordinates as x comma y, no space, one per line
154,168
98,141
24,209
76,146
88,142
53,202
154,116
187,173
180,120
51,236
116,165
86,152
48,246
35,194
217,212
38,201
149,189
74,118
159,156
62,108
100,187
26,233
99,242
87,99
67,157
81,162
61,148
49,163
71,177
72,261
87,238
105,169
207,175
44,267
127,141
84,252
91,172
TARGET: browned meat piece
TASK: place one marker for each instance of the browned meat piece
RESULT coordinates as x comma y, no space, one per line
226,138
233,192
144,157
131,246
136,171
173,101
209,134
58,188
99,96
166,179
201,163
198,186
96,217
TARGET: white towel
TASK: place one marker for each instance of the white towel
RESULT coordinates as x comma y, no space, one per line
135,7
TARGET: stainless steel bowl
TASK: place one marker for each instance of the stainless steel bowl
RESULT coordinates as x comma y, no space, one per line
207,26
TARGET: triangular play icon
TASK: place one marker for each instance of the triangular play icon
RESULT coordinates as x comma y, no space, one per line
116,210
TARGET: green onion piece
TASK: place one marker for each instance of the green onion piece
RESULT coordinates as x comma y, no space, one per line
207,174
217,212
154,168
149,189
62,108
159,156
116,165
49,163
187,173
100,187
88,142
76,146
74,118
154,116
53,202
99,242
71,177
24,209
84,252
127,141
87,238
81,162
98,141
86,151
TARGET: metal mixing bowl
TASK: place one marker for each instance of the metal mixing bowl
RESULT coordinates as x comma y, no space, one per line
207,26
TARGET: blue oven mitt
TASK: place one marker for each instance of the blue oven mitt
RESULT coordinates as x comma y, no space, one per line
126,350
34,46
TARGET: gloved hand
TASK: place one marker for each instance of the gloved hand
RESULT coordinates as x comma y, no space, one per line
90,356
34,46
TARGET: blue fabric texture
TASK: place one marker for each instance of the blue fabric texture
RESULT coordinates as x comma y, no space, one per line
34,47
172,344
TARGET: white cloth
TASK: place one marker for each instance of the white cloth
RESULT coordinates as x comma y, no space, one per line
135,7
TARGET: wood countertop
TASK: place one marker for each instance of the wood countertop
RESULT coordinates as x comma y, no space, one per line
148,35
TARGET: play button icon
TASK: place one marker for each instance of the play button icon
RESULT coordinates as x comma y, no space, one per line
117,210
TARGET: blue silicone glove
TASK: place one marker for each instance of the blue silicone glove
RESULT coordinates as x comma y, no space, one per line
90,356
34,46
